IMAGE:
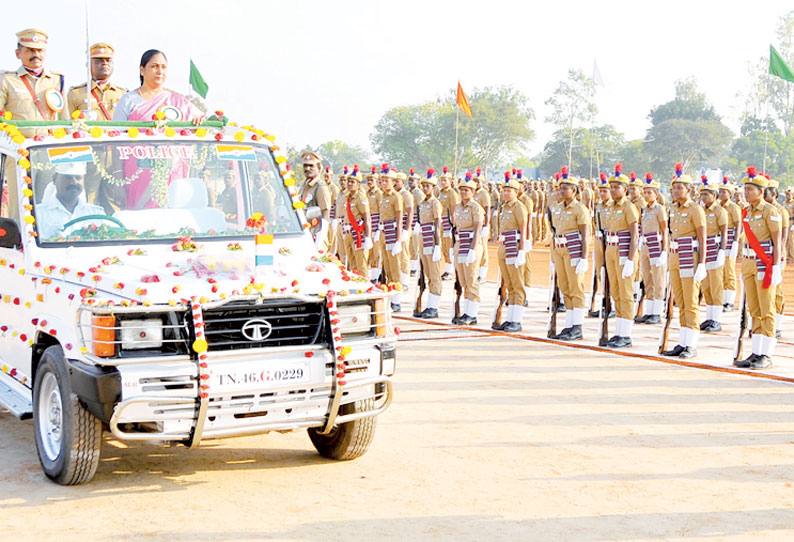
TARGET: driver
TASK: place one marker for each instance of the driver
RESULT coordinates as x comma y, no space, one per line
52,213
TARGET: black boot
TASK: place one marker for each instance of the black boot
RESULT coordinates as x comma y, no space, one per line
745,363
675,352
761,362
573,333
653,319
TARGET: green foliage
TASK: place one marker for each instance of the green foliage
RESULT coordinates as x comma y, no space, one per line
748,150
688,104
591,149
572,109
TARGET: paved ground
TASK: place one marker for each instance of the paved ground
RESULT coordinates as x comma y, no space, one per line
489,438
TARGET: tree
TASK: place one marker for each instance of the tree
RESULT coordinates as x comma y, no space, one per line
573,107
748,150
338,154
686,130
602,143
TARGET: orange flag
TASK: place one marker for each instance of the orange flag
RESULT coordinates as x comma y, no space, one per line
462,101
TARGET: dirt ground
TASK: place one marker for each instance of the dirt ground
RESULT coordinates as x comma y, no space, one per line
489,438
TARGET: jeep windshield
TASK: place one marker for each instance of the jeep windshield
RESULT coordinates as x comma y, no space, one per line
100,192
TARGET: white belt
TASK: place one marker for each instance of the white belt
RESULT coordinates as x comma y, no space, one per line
674,245
560,241
613,238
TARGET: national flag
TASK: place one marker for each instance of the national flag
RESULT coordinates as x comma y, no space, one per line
264,250
68,155
243,153
462,101
597,78
778,66
197,82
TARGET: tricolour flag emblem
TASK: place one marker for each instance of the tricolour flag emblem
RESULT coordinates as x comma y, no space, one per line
236,152
67,155
264,250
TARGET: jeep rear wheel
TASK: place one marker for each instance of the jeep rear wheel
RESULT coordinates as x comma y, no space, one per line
68,437
347,440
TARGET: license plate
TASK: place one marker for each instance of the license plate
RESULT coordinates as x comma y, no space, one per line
270,376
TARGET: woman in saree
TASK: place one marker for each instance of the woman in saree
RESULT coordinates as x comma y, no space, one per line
142,104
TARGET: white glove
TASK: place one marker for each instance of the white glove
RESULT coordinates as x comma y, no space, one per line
397,248
734,250
662,261
528,246
436,253
700,272
777,275
783,264
470,256
521,258
335,223
376,235
720,258
367,244
485,233
582,266
406,234
628,268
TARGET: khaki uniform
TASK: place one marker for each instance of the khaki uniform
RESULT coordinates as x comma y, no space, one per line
619,216
108,94
405,255
530,205
790,241
512,224
376,254
353,242
429,212
495,202
449,200
391,208
640,203
567,252
335,238
716,220
764,220
315,193
465,217
482,197
599,224
729,270
684,221
651,272
784,227
416,234
15,96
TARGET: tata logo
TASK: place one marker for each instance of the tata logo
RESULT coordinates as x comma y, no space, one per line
257,329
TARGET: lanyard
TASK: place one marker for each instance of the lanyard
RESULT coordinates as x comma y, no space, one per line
101,105
36,101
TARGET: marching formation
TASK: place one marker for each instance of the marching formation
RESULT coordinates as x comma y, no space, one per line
648,254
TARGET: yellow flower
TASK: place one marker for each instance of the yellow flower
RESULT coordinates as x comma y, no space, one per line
96,131
201,132
280,159
170,132
239,136
24,163
59,133
298,205
133,132
75,114
7,115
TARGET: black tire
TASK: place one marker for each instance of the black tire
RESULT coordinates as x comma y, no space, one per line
68,437
348,440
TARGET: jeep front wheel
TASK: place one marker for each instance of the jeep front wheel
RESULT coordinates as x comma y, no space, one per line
347,440
68,437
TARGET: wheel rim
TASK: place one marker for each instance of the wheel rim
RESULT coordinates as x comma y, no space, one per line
50,417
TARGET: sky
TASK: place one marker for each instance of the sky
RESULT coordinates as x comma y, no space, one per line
311,71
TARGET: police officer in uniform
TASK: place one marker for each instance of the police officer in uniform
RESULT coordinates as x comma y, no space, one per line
468,220
687,261
790,208
653,253
335,238
391,218
513,218
761,272
770,195
622,227
716,250
449,200
356,225
734,242
315,193
570,253
635,196
416,237
524,198
104,93
408,220
374,195
430,228
599,225
482,197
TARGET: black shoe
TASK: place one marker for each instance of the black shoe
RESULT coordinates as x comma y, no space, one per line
467,320
417,314
642,319
445,276
499,327
675,352
727,306
777,334
594,314
413,273
512,327
688,352
457,320
395,307
612,313
612,339
560,308
712,327
571,334
620,342
429,313
745,363
653,319
561,333
705,325
761,362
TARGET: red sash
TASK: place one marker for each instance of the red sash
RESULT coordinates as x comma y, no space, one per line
759,251
101,105
36,101
357,228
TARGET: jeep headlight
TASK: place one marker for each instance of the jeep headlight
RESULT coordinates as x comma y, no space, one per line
355,320
140,334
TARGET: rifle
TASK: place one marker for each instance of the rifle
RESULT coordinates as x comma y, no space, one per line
420,289
668,316
554,301
737,351
606,302
595,288
458,293
500,300
641,301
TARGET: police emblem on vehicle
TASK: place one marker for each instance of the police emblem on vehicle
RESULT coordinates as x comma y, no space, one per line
257,329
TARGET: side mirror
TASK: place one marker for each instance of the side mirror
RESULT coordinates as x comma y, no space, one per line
313,215
9,233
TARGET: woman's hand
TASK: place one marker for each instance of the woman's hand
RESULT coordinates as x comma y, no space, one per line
198,120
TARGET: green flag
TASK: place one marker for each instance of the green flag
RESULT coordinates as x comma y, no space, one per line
197,82
778,66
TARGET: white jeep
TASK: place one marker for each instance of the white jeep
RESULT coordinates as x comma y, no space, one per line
159,280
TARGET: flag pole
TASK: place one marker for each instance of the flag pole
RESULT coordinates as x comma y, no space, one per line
457,118
766,121
87,66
